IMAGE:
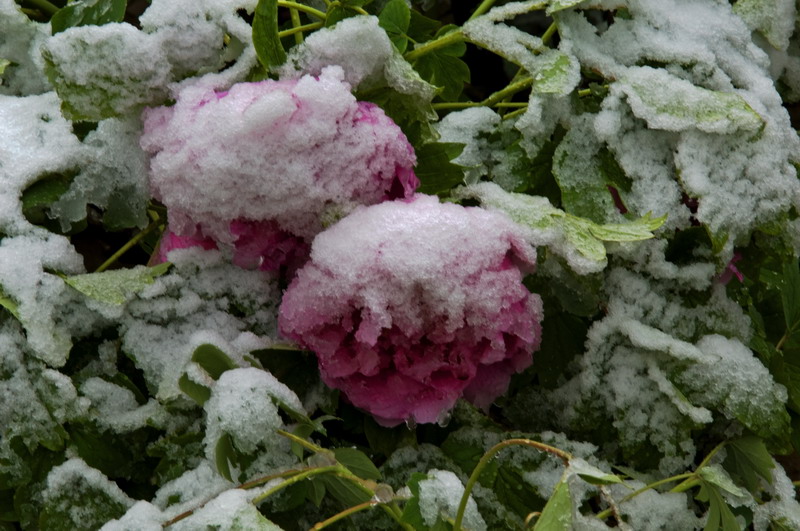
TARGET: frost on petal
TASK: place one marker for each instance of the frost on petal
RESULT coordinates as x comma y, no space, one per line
388,305
287,153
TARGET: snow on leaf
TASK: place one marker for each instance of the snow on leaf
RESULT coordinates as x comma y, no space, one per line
670,103
720,515
117,286
775,19
560,5
556,73
564,234
592,474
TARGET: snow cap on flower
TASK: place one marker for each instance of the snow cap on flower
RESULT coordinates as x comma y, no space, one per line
287,152
411,304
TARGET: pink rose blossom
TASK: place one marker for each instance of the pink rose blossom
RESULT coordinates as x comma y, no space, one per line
272,162
411,304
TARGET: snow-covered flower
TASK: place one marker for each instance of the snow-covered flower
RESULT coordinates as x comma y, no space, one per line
411,304
275,156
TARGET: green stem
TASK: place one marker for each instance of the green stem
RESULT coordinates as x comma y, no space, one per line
130,243
304,443
295,16
514,114
488,456
483,8
445,40
605,514
549,32
298,31
510,90
311,472
44,6
344,514
467,104
302,7
783,340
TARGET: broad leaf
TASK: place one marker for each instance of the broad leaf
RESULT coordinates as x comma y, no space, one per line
265,34
790,296
395,19
748,459
670,103
716,475
212,360
720,515
224,455
343,490
357,462
434,168
197,392
87,13
443,68
592,474
118,286
557,514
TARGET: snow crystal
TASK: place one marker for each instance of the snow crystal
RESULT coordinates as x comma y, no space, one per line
783,508
242,406
440,494
651,510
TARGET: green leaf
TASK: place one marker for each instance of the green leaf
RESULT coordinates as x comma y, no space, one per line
556,73
344,490
197,392
790,297
3,65
37,197
641,229
591,474
748,459
395,19
357,462
583,235
560,5
719,513
670,103
315,492
9,304
336,14
557,514
212,360
422,28
87,13
265,34
443,68
116,287
716,475
434,168
411,511
224,455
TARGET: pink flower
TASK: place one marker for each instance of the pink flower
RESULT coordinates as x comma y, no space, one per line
411,304
287,156
257,245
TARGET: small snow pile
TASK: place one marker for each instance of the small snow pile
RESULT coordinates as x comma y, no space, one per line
289,154
408,305
241,406
440,495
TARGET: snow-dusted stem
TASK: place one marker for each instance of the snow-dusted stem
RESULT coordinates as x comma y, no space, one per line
488,456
